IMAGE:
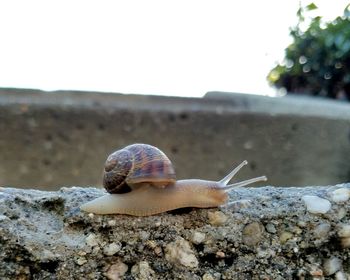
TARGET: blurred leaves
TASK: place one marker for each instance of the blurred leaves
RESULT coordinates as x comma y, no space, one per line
318,60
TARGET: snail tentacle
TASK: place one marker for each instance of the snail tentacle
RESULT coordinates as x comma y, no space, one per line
224,181
244,183
228,177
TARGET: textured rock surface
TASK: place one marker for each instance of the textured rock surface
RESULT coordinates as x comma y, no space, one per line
263,233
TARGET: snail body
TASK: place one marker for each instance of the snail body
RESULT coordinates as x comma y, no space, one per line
141,181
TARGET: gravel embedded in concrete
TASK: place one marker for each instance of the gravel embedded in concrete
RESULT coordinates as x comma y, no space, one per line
316,205
44,235
340,195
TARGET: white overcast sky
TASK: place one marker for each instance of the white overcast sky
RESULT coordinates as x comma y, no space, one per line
148,47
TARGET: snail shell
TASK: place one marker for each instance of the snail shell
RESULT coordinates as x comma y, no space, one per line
135,165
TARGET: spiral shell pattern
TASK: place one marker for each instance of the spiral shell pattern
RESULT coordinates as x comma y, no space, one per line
137,164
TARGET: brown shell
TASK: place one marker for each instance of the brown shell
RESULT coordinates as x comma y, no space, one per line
136,164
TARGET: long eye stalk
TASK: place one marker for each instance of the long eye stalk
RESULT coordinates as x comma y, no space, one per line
228,178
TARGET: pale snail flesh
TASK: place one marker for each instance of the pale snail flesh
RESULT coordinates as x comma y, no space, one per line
141,181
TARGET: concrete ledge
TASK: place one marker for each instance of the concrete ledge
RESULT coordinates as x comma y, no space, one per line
264,233
298,105
49,140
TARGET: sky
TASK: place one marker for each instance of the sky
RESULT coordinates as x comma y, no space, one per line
180,48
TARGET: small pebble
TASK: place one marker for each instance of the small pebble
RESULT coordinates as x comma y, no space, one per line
158,251
207,276
302,224
91,240
345,242
270,228
198,237
180,253
217,218
285,236
112,223
63,189
332,265
316,205
344,230
220,254
340,195
111,249
82,253
321,230
265,253
144,235
3,218
158,223
116,271
340,275
151,244
297,230
341,213
252,233
81,261
317,272
142,270
47,254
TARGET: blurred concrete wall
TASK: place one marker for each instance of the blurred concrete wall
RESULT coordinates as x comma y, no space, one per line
63,138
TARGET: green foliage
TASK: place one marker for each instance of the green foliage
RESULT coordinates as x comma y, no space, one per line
318,60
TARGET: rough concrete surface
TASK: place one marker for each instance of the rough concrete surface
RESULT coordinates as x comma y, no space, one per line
263,233
50,140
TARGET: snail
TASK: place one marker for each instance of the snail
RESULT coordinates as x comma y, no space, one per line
141,181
